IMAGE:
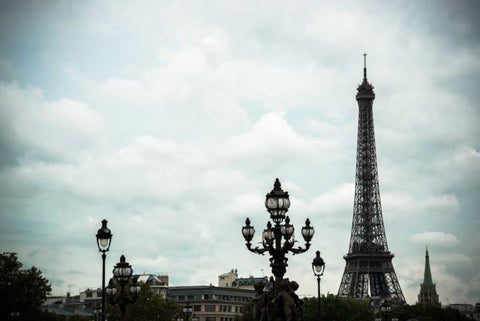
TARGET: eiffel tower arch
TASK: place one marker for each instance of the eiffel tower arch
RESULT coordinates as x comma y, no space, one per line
368,270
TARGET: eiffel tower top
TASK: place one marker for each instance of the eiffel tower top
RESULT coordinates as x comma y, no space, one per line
365,89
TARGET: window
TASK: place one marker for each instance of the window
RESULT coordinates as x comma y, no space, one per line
210,319
209,308
197,308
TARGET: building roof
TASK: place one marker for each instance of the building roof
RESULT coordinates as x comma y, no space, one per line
207,289
149,279
249,281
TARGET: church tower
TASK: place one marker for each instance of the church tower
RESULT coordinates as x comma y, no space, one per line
428,293
368,270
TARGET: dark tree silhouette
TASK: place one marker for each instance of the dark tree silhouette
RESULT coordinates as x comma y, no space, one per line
21,289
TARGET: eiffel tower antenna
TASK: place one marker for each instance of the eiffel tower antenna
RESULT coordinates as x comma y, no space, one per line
364,66
368,265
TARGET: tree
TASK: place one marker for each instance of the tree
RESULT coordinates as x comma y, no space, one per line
24,290
148,307
428,313
335,308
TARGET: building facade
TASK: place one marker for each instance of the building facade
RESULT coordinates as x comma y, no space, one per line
212,303
469,310
158,283
231,280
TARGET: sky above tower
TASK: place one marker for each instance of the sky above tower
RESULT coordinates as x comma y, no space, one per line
172,120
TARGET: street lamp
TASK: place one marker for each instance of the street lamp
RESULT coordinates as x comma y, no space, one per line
278,240
122,273
187,310
195,318
318,267
104,239
15,314
97,312
385,308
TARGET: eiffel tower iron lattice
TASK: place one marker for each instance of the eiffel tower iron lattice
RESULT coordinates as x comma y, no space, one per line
368,262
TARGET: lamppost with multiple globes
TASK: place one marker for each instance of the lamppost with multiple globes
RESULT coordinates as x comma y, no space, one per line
15,314
278,240
318,267
187,310
385,310
97,313
104,238
122,273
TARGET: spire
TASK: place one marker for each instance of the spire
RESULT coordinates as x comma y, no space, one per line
427,277
365,89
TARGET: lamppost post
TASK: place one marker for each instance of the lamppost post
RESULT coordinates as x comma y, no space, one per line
318,267
104,238
278,240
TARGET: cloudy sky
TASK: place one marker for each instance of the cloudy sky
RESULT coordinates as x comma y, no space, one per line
173,119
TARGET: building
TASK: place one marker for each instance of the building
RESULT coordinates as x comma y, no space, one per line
428,293
158,284
231,280
226,280
91,297
212,303
468,310
66,306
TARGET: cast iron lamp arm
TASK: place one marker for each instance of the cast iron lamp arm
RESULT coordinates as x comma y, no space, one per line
257,249
299,249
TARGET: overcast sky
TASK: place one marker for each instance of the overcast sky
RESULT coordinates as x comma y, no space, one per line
172,120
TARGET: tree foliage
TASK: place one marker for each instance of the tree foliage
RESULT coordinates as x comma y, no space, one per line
335,308
22,289
148,307
428,313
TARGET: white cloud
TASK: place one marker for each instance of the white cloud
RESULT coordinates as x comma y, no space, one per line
47,128
435,238
176,125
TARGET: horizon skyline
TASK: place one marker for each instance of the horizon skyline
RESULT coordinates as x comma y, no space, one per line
172,121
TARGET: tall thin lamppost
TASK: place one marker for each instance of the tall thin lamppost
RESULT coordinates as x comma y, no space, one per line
104,239
318,267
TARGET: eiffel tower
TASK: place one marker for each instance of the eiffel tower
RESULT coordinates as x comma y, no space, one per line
368,262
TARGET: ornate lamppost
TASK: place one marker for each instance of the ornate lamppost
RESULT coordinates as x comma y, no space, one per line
122,273
318,267
187,310
104,239
278,240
